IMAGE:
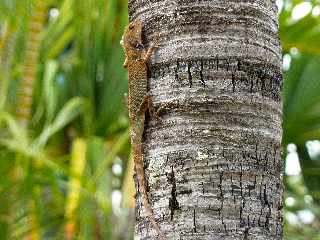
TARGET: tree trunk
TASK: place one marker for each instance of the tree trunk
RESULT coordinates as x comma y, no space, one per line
214,164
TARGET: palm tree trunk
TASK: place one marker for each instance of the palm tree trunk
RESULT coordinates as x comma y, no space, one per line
25,92
214,163
7,45
37,21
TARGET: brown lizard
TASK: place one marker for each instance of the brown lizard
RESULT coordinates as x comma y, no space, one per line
138,100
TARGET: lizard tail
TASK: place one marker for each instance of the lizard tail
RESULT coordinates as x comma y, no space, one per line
142,189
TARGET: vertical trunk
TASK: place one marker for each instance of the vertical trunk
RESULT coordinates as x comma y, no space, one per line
214,165
7,45
25,91
37,21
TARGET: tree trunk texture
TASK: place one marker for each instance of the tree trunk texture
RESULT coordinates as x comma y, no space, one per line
213,165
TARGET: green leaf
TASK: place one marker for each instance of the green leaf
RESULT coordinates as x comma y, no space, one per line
311,172
303,34
50,100
302,98
69,112
17,132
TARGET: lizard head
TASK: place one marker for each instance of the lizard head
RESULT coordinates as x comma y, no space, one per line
133,34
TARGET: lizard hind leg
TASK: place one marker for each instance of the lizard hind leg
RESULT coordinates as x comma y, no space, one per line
147,105
156,112
164,107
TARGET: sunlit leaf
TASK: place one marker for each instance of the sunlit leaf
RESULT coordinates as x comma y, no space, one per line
69,112
301,95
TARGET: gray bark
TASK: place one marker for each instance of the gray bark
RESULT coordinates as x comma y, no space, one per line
214,164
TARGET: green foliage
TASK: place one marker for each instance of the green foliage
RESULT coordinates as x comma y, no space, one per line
302,118
77,93
300,41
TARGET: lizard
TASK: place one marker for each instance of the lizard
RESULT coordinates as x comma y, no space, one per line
138,102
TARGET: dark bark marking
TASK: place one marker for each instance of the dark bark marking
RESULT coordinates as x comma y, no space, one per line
246,233
245,76
233,82
187,192
189,74
220,184
202,188
173,202
166,162
260,215
194,221
201,74
265,195
241,217
268,216
241,193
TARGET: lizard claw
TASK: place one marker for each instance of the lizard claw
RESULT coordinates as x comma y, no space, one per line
166,106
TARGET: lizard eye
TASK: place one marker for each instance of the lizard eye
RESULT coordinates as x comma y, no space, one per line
138,46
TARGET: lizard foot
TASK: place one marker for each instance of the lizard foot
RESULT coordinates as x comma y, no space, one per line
165,107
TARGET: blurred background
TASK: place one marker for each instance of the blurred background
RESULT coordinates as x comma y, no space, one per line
64,140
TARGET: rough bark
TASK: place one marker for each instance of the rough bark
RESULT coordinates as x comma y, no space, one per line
214,164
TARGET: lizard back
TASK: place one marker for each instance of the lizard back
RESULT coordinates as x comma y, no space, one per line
137,86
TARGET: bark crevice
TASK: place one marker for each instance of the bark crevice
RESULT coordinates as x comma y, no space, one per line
173,202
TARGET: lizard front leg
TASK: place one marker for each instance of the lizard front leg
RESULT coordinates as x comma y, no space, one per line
125,64
147,54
